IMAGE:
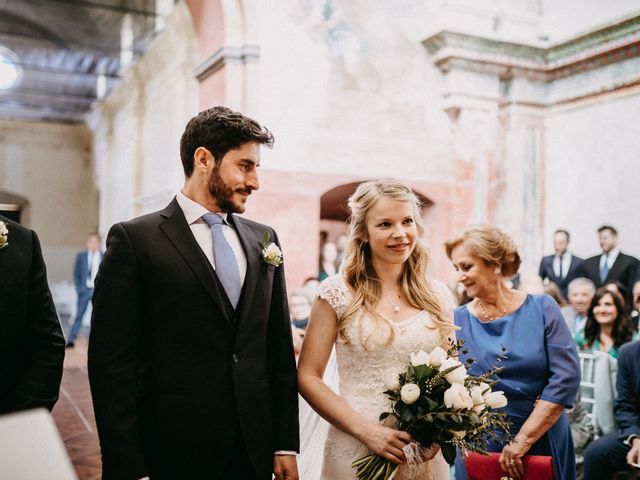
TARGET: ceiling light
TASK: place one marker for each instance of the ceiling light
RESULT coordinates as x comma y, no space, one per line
10,73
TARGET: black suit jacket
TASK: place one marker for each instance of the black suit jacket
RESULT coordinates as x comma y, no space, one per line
175,372
546,271
627,402
624,270
31,343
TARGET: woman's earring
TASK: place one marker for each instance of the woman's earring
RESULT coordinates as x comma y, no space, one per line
497,271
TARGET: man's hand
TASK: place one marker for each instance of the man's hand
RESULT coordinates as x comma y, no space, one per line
285,467
633,457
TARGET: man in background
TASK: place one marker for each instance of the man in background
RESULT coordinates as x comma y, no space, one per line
84,274
560,268
611,264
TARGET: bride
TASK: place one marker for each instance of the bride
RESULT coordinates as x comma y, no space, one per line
377,310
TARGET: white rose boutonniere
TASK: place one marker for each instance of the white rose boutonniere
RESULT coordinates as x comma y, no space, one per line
271,253
4,235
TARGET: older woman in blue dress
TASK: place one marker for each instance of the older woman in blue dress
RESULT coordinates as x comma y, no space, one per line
541,373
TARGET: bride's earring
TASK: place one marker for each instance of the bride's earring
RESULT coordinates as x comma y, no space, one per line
497,271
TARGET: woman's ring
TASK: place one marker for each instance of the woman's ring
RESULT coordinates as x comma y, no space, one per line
512,461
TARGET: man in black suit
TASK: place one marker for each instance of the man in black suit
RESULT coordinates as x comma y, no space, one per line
191,359
620,448
561,267
611,264
84,275
31,344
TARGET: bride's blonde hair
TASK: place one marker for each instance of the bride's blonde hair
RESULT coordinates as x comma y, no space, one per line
359,274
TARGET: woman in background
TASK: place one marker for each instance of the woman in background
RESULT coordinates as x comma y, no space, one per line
608,324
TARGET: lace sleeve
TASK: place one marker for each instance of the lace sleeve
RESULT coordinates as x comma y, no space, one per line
335,292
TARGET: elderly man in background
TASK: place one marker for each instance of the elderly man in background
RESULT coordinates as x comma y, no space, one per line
581,291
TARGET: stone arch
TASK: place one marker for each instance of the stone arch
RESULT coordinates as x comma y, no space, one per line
333,202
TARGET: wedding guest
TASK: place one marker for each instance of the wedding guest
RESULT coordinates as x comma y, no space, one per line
541,372
31,344
635,314
328,258
581,292
553,291
300,308
341,244
561,267
611,264
376,312
84,275
620,448
608,324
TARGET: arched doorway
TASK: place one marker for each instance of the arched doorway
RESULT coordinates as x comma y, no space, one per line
12,206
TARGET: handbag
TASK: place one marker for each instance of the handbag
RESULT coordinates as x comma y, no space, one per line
487,467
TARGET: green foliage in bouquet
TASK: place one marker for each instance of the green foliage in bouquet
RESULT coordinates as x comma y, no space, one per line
437,402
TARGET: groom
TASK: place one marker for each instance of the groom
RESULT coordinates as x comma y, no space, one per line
191,360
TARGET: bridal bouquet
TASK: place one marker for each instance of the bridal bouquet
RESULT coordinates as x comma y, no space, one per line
437,402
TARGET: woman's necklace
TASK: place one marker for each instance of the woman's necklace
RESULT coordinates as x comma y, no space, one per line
502,313
396,307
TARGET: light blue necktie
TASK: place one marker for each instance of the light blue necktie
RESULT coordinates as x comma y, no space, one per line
225,260
604,270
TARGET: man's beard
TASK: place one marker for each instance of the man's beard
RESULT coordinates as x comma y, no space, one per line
223,194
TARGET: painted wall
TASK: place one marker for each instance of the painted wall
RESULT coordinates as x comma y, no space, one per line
593,172
50,164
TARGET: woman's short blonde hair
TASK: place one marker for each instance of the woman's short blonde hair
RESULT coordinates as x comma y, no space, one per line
490,244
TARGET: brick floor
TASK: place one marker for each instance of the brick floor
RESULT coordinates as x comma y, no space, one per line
73,414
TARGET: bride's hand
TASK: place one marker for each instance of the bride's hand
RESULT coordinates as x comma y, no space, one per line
386,442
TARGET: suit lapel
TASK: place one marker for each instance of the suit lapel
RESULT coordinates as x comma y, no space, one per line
251,247
179,234
617,267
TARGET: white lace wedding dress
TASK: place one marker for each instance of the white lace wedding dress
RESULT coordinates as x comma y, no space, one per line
361,382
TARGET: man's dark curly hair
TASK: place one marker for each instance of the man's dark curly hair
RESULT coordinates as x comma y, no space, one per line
219,129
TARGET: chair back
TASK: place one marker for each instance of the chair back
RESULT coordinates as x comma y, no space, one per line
588,385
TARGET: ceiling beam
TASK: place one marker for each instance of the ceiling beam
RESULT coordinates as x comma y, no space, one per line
113,8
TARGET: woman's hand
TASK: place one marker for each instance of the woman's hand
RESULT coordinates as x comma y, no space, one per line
511,459
386,442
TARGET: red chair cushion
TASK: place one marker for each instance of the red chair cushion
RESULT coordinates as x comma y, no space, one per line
487,467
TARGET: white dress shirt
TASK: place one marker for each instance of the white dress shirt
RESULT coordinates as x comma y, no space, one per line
610,258
193,212
566,263
93,262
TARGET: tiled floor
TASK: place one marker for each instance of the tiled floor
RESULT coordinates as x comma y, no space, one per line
73,414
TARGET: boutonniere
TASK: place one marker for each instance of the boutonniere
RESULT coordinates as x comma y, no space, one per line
4,235
271,253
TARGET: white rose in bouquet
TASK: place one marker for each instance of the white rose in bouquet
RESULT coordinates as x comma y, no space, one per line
391,379
3,229
455,376
437,356
457,397
409,393
495,399
476,395
419,358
